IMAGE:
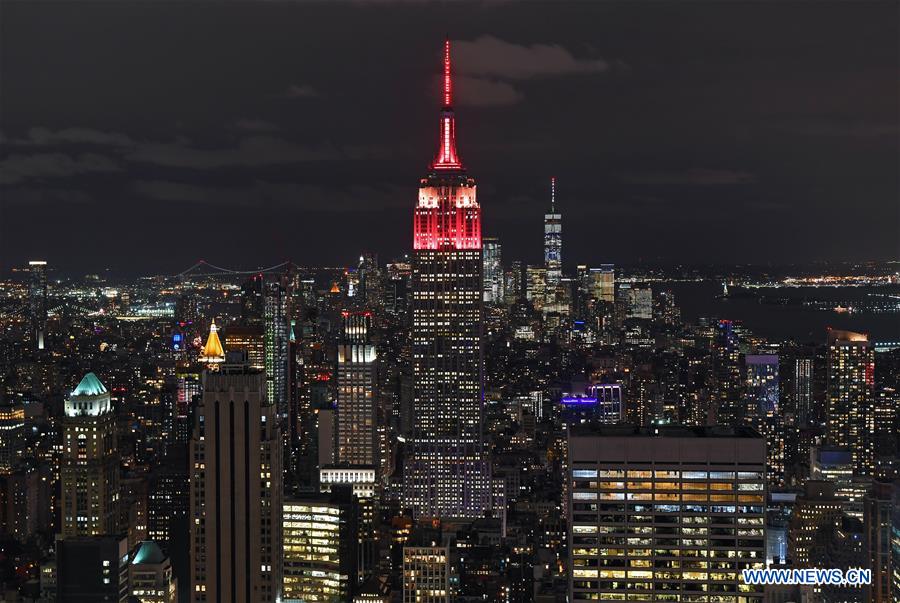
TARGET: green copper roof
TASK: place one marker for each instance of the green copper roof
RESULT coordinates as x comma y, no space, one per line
90,386
148,552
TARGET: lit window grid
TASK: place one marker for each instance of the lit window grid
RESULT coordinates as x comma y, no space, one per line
630,539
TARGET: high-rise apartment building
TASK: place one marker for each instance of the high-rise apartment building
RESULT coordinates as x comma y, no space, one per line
446,474
357,413
553,241
276,339
665,510
850,395
89,469
763,410
727,373
236,489
803,390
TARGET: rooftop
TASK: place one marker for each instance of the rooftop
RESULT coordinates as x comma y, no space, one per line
148,552
664,431
90,386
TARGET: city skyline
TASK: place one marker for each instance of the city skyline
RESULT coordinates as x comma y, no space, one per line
319,136
533,370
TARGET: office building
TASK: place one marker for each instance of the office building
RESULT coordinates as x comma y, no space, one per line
89,467
92,569
235,489
493,271
553,241
150,575
603,283
446,473
213,353
639,302
536,286
250,339
320,546
817,514
426,574
361,480
665,510
357,413
610,401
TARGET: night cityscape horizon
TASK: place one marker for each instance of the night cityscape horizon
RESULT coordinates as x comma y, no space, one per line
622,327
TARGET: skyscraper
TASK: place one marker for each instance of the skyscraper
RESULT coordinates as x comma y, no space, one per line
213,353
665,509
37,294
357,442
445,473
277,327
12,434
553,241
89,471
426,574
727,369
603,283
851,392
763,410
879,506
493,271
802,390
320,546
236,489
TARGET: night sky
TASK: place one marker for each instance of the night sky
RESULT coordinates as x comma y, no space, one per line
144,136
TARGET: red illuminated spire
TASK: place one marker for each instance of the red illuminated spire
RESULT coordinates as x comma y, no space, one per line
447,158
448,81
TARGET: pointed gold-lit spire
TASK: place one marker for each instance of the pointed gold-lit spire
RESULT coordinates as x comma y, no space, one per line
213,352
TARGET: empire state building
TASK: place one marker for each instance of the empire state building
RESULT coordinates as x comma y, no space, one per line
446,474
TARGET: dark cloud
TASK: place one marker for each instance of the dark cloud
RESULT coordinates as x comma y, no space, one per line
252,151
18,168
78,136
259,194
484,92
490,56
662,123
301,91
696,176
255,125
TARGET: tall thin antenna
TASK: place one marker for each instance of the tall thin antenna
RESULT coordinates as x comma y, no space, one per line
448,86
